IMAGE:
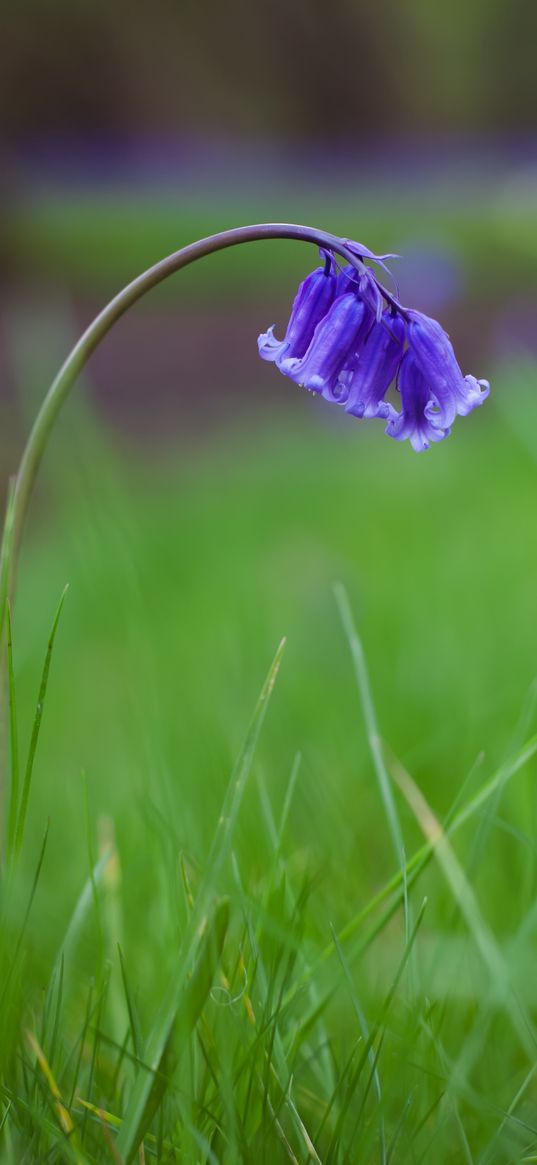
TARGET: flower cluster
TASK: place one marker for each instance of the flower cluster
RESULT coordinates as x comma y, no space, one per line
348,339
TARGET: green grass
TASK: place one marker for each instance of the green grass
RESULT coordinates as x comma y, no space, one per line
234,930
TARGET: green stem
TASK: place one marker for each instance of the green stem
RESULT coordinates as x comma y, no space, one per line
89,341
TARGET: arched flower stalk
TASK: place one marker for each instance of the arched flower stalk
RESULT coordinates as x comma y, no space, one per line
346,340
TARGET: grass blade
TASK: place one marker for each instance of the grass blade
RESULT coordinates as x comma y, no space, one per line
21,816
194,997
397,885
63,1115
18,944
465,897
134,1021
5,551
14,740
373,736
372,1055
129,1137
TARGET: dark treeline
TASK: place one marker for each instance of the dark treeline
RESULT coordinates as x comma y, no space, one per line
286,67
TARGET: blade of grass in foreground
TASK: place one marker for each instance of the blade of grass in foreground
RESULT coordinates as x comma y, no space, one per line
372,1055
25,794
132,1011
129,1137
18,944
373,735
5,550
14,741
191,1004
63,1116
348,1087
374,741
80,914
396,886
465,897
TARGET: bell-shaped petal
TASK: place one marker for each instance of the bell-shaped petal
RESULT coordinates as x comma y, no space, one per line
311,303
413,422
452,392
375,367
335,337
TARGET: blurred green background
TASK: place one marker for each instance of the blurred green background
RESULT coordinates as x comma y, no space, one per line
201,506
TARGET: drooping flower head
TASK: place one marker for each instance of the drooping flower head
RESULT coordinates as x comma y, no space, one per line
349,339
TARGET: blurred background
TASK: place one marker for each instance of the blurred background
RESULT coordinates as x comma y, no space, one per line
126,134
201,507
199,503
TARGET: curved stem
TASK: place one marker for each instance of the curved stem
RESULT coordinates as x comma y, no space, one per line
90,340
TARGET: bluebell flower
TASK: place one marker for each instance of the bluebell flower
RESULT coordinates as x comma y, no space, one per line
451,392
312,301
413,423
374,367
333,341
349,338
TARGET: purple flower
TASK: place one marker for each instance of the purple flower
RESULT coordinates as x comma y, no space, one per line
374,367
371,293
413,422
362,284
333,340
347,280
348,338
451,392
312,301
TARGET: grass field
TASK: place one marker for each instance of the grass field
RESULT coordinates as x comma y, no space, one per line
272,974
